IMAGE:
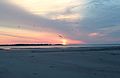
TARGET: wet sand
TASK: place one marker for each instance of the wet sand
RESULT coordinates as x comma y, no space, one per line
60,63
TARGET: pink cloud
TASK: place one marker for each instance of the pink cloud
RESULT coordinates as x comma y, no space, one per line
94,34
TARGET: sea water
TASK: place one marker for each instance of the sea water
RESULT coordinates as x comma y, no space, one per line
61,46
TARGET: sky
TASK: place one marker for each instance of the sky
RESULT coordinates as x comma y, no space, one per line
60,21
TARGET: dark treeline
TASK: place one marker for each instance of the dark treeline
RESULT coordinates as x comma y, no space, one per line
31,45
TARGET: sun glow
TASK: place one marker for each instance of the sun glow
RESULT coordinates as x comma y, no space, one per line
64,41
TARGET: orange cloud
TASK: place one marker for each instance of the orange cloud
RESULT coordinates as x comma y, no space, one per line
68,17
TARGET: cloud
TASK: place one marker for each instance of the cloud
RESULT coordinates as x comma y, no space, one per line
103,13
95,34
14,16
98,15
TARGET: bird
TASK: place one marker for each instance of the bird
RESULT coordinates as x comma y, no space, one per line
60,36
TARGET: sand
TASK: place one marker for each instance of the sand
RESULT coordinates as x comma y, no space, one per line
60,63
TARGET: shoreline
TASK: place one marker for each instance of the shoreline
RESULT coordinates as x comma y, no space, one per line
65,49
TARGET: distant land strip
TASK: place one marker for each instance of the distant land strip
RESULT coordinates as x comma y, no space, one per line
32,45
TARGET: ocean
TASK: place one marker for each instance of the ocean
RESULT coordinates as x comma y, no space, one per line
61,46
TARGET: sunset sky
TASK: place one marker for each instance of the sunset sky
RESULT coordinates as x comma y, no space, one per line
44,21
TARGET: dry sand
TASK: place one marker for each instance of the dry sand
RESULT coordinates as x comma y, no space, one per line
60,63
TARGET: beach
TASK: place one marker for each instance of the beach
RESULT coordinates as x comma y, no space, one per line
72,62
